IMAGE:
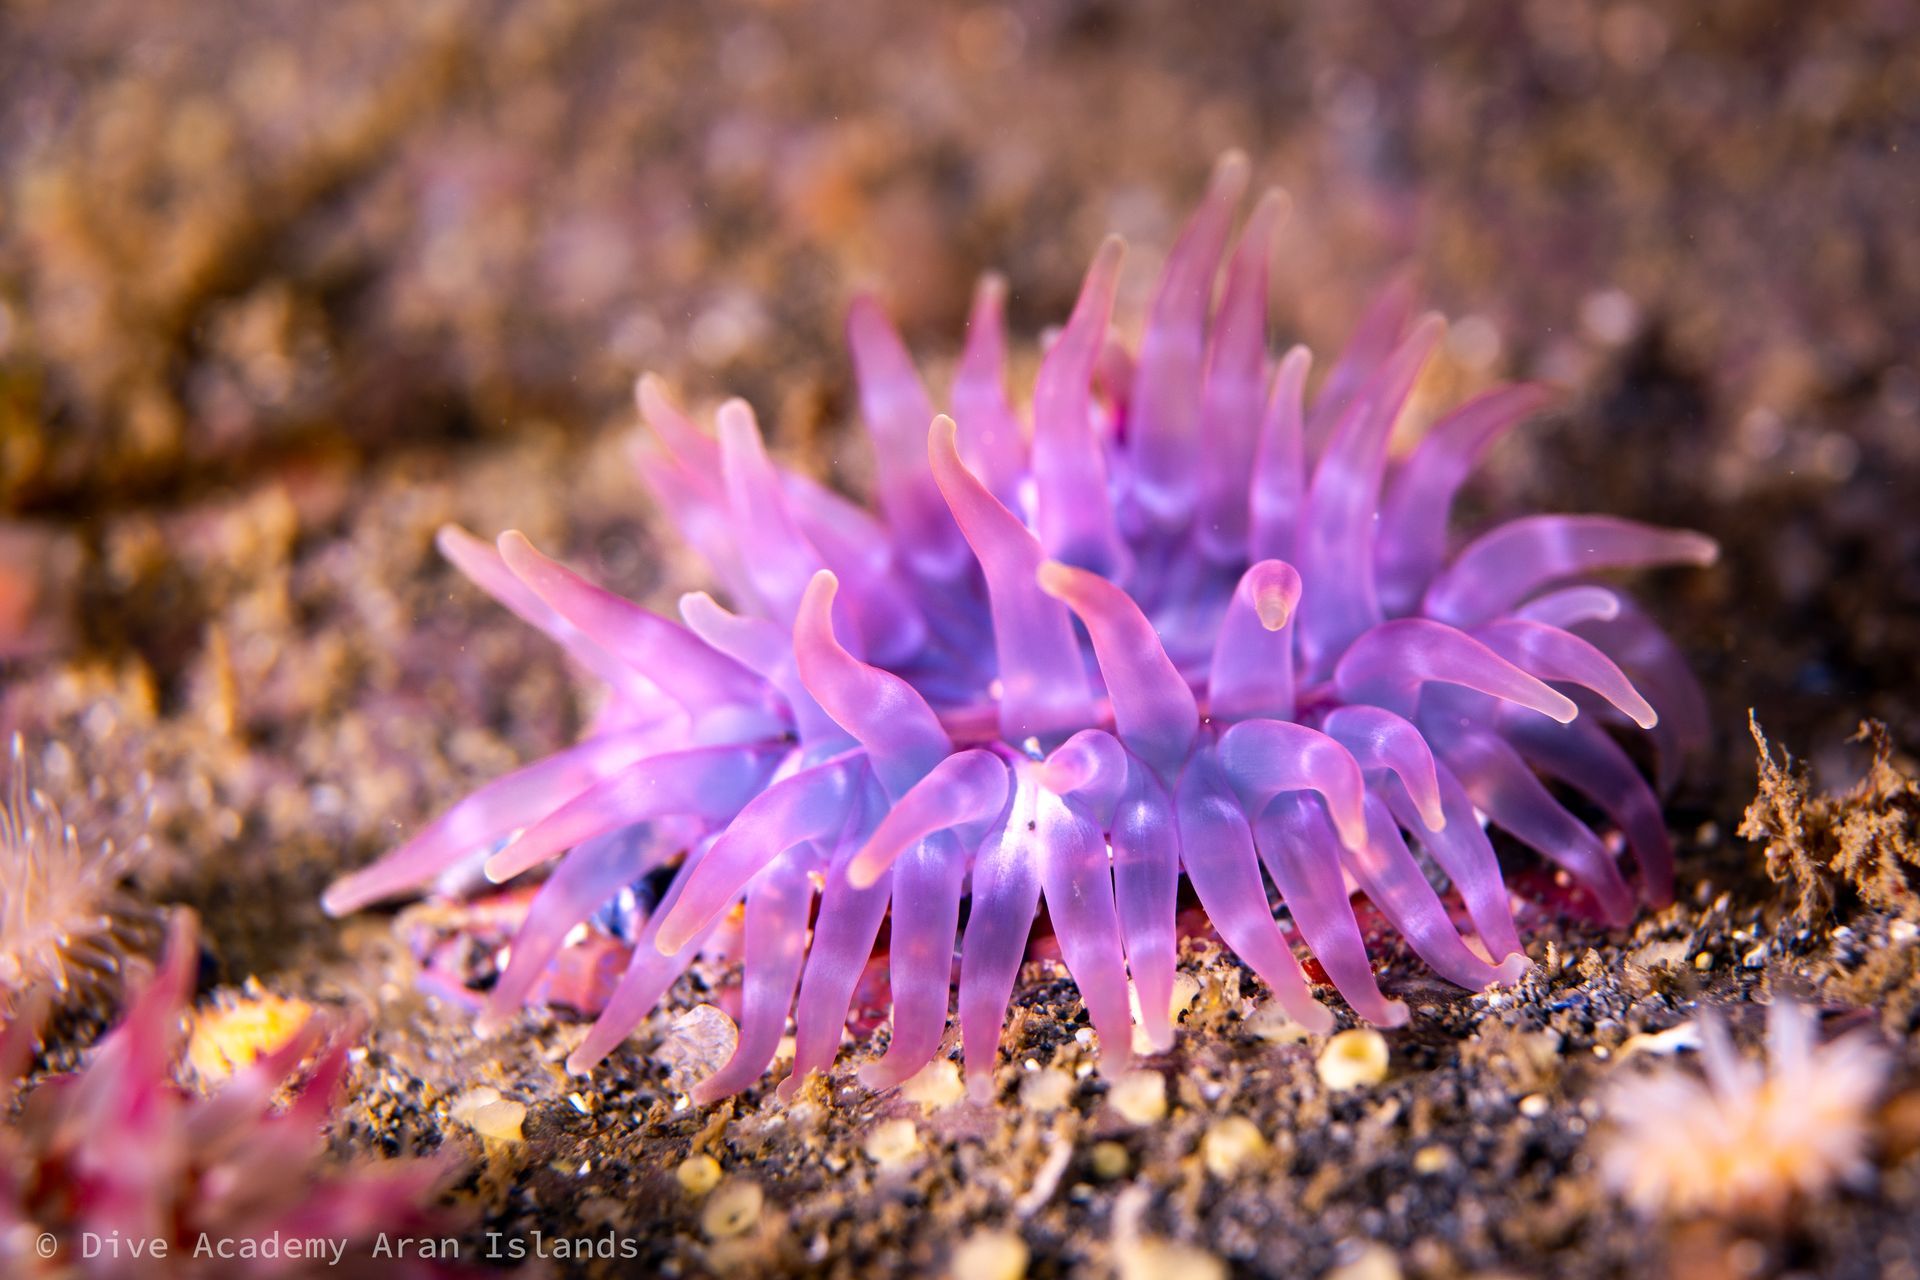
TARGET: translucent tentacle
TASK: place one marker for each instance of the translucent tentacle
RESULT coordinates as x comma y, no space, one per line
1660,672
1078,887
1277,495
1461,850
1252,670
1388,665
1343,506
1394,883
1553,654
1378,332
778,556
1414,517
1153,709
1302,854
1165,406
994,446
649,973
804,806
1506,790
1584,757
483,565
707,782
1006,894
902,736
765,648
1500,568
847,925
715,690
597,870
1380,740
965,788
1235,391
926,919
896,408
778,905
1146,887
1091,769
1044,688
1571,605
1073,510
1216,848
703,522
488,815
1263,758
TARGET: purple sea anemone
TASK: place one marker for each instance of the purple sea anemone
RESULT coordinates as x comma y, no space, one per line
159,1181
1185,624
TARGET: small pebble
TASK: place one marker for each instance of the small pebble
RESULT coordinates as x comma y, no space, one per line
1373,1262
1353,1060
935,1085
1046,1091
488,1114
1109,1160
699,1043
732,1210
1431,1160
1140,1097
1230,1143
698,1175
1271,1023
1533,1106
990,1255
1165,1260
892,1143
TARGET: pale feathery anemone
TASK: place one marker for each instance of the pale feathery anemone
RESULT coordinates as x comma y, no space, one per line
118,1155
1747,1137
67,921
1185,624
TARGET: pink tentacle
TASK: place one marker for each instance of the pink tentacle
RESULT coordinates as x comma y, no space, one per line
1553,654
808,805
1499,569
1393,881
1091,769
710,783
1006,894
487,816
1389,664
778,905
1073,509
1252,671
1078,888
963,789
1146,889
993,444
1461,850
1217,851
1263,758
1414,518
1302,854
1165,406
1153,708
1382,741
1379,330
1277,495
1044,686
926,919
902,736
1235,391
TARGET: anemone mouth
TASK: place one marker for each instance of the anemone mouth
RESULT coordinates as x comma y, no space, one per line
1187,631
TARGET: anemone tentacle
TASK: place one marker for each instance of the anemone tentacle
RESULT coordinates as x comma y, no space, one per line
1184,623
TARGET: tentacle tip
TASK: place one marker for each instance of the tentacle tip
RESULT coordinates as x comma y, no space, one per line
1273,608
500,868
1055,578
1393,1014
863,871
1433,815
941,436
491,1023
1230,173
1511,970
582,1063
1561,708
450,539
341,899
1645,716
990,289
1702,550
1315,1017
